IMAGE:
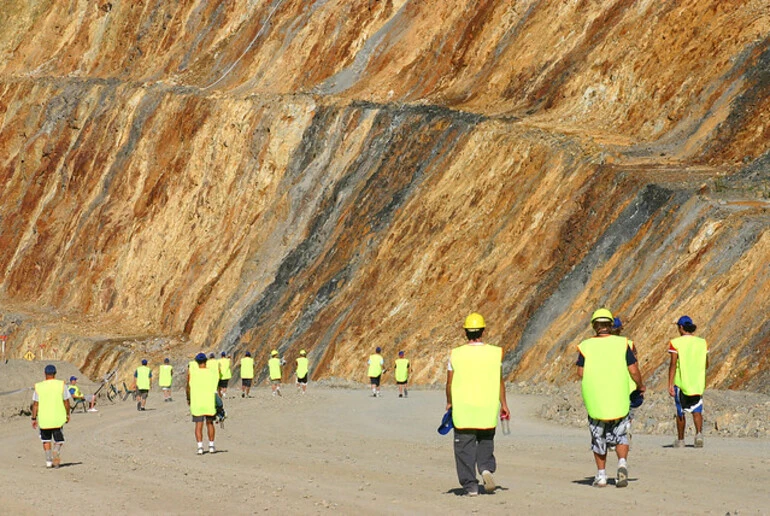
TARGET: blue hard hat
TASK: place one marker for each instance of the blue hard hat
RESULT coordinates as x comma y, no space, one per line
200,357
446,423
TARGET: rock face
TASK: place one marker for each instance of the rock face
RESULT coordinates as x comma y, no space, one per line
335,176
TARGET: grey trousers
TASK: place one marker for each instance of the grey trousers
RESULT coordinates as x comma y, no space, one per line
474,449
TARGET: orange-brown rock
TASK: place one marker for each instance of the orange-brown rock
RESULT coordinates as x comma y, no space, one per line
335,176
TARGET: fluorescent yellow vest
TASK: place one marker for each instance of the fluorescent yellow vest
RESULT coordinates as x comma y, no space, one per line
143,378
302,367
691,364
203,389
375,365
164,376
402,369
75,391
224,369
605,377
247,368
274,364
476,386
50,404
192,364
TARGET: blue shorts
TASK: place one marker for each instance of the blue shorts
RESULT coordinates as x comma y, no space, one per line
685,403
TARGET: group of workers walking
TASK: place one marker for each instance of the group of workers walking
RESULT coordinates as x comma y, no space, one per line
611,383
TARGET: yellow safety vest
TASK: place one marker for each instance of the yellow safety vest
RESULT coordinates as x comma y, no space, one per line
165,375
203,390
605,377
302,367
75,391
691,364
274,364
143,378
224,369
375,365
402,369
51,412
476,386
192,364
247,368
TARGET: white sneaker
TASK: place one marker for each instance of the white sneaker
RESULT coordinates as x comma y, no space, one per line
92,410
489,482
699,440
679,443
48,464
622,480
600,481
200,451
212,449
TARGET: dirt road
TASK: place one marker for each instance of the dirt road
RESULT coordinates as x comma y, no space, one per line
341,451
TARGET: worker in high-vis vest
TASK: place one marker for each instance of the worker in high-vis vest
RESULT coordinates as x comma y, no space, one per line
142,384
376,366
201,390
225,373
475,392
617,329
604,363
50,412
247,374
687,378
401,372
303,367
77,395
276,375
165,377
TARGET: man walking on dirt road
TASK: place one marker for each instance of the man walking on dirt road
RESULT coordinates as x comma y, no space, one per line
50,412
475,391
604,363
247,374
375,369
165,378
687,378
201,391
142,384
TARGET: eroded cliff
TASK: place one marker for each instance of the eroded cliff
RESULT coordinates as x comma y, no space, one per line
336,176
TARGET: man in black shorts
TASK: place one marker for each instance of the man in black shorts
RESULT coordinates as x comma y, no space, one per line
201,390
50,412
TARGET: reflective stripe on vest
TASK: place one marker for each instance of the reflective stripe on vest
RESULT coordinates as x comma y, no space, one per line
302,367
402,369
375,365
605,377
691,364
50,404
476,386
164,376
143,378
224,369
275,368
203,389
247,368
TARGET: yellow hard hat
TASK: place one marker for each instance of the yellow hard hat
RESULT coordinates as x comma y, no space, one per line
474,322
274,352
301,351
602,314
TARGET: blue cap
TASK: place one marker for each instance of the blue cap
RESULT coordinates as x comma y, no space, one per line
400,353
378,349
165,360
50,369
144,361
211,355
200,357
685,319
73,378
446,423
224,353
616,323
636,399
248,354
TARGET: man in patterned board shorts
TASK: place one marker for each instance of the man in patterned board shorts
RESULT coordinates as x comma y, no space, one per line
603,365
